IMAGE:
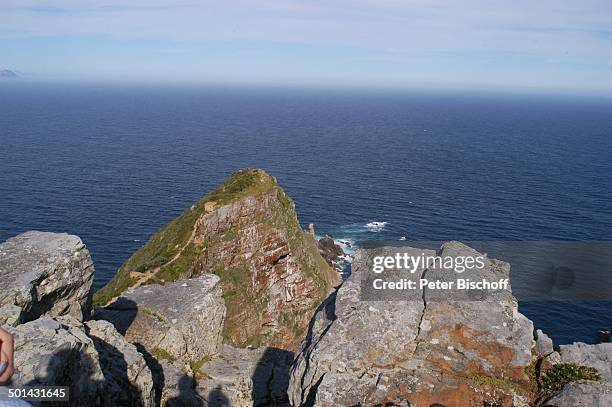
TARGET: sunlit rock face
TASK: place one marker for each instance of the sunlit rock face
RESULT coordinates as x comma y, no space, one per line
246,232
421,349
45,273
183,319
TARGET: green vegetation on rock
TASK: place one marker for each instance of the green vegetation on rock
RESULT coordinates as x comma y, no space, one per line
494,382
196,368
172,240
545,383
236,295
121,282
304,248
243,231
160,353
559,375
153,313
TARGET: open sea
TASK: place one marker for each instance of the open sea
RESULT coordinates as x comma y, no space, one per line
113,164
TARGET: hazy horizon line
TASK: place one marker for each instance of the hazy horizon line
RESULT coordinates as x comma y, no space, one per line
429,87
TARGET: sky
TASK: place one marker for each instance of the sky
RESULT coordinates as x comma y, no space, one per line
532,44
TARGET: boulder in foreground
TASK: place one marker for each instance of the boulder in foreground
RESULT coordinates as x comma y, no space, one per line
46,273
96,363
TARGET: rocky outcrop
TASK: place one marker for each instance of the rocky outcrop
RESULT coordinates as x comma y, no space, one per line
331,252
128,380
45,273
582,394
420,347
45,289
598,356
237,267
57,352
181,320
95,362
179,326
585,393
245,377
246,232
544,345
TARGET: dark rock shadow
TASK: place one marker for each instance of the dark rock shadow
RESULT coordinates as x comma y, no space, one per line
157,372
271,378
329,308
116,381
114,390
187,396
72,367
121,313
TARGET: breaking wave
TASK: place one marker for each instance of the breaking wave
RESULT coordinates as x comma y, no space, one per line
376,226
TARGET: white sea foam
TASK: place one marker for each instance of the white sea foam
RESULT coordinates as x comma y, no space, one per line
345,242
376,226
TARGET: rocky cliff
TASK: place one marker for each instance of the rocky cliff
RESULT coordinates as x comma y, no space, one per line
160,342
421,348
246,231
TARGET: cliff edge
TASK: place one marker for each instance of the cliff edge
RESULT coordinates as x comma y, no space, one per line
424,348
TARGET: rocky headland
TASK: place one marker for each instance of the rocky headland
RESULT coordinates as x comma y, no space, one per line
246,232
232,303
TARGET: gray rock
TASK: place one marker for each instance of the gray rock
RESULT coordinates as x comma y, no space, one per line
128,378
10,315
245,377
553,358
598,356
586,393
544,345
46,273
50,352
583,394
183,319
99,369
421,347
178,387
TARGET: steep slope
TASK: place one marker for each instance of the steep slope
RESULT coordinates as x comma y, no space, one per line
246,231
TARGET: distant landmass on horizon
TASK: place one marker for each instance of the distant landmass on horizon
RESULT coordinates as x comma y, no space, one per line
7,73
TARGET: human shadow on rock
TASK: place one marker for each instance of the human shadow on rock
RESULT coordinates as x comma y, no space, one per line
187,396
271,378
216,398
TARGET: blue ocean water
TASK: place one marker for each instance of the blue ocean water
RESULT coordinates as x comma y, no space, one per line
113,164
